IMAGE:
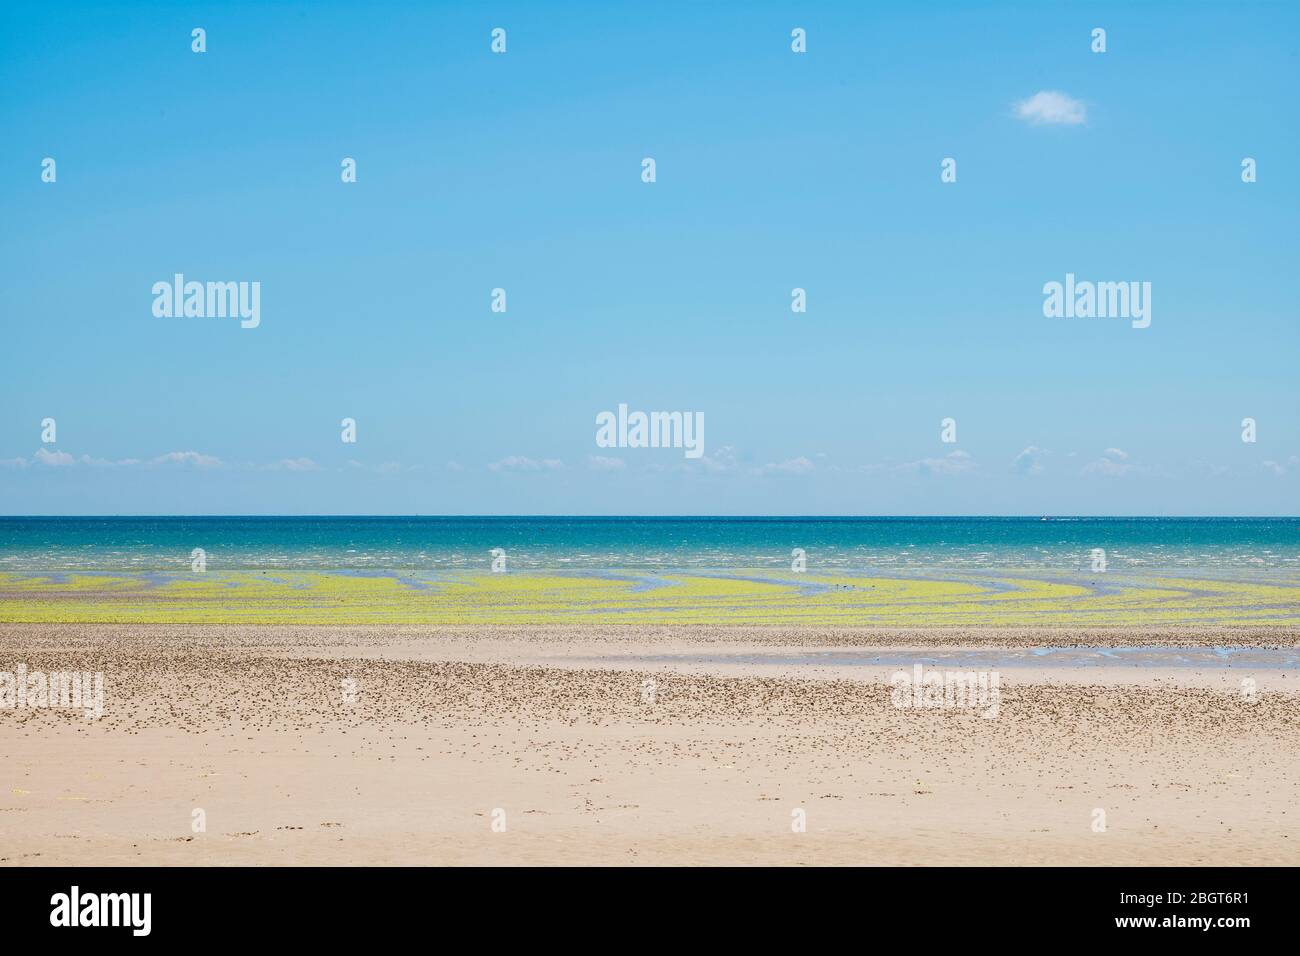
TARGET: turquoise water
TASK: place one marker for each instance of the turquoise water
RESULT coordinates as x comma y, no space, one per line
558,543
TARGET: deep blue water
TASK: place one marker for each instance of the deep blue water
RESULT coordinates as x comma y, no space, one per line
552,543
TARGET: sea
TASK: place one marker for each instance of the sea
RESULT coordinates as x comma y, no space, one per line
1236,546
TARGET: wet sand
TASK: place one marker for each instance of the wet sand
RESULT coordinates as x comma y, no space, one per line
695,745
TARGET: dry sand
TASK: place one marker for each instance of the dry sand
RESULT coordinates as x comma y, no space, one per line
558,729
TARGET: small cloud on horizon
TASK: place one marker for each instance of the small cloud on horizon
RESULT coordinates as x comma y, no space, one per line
521,463
791,466
295,464
953,463
187,458
724,459
1029,461
956,462
1113,462
53,458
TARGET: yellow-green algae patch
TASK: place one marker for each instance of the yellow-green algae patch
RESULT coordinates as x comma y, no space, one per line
732,597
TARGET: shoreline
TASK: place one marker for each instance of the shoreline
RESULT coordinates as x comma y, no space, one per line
613,635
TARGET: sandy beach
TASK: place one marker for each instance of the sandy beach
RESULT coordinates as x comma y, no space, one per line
650,745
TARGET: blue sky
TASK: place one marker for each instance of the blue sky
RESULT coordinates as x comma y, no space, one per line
522,171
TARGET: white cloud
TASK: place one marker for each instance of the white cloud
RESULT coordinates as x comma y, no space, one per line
520,463
1051,106
1113,462
601,463
953,463
1029,461
1278,468
194,458
295,464
55,459
383,468
724,459
792,466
